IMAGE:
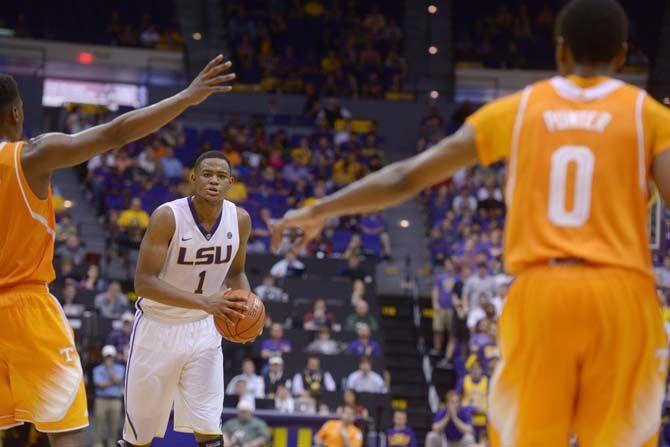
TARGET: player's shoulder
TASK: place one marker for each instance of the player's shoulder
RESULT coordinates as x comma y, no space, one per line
243,216
163,220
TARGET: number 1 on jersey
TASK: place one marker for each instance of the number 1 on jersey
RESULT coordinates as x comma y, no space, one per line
201,275
584,161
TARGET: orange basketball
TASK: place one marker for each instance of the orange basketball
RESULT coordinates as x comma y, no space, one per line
244,330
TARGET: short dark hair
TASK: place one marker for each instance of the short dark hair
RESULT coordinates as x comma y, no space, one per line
594,30
211,154
9,90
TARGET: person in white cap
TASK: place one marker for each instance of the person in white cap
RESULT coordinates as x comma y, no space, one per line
245,430
275,376
108,379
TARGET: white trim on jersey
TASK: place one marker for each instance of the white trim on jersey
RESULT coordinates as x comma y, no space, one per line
514,150
569,90
38,217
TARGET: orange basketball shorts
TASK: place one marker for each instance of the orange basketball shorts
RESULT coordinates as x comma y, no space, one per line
41,379
583,351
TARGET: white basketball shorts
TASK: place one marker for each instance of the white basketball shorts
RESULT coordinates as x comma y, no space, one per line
173,363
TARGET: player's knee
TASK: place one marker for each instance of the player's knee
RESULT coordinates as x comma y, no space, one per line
216,441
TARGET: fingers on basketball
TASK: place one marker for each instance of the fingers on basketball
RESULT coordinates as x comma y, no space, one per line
248,328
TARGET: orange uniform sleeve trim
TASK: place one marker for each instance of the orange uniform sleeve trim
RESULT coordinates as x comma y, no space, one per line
493,125
656,118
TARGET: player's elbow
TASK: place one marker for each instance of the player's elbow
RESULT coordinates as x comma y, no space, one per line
141,284
114,133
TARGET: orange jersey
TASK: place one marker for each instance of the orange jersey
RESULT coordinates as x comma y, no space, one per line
579,155
27,226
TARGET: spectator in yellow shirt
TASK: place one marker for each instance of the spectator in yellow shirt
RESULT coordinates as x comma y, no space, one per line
342,433
237,192
302,154
347,170
134,216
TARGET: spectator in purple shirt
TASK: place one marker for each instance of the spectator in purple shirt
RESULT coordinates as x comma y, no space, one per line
294,171
452,425
276,345
373,224
400,435
120,338
363,345
171,165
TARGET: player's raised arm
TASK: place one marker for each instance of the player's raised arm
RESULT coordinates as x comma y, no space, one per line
390,186
153,253
56,150
237,277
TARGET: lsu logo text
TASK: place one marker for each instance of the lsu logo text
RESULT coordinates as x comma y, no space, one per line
206,256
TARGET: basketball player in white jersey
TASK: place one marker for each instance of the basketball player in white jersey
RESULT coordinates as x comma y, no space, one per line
193,250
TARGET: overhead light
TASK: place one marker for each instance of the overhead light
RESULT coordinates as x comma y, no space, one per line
67,204
666,101
197,36
434,94
404,223
432,49
432,9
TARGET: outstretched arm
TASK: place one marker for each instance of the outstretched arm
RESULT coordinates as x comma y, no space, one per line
153,253
56,150
237,277
390,186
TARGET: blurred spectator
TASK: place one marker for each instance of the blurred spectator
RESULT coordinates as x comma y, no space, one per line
363,345
275,376
238,190
365,380
358,292
65,228
481,335
171,166
305,403
70,306
487,308
320,317
452,425
352,270
354,251
72,250
67,270
108,380
294,171
120,338
255,383
312,379
400,435
478,284
134,216
276,345
147,160
242,392
663,273
93,282
284,403
350,399
268,291
340,433
245,430
444,294
324,344
373,224
112,302
289,266
361,315
465,201
475,388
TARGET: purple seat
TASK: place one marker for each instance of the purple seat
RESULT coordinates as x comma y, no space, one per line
371,244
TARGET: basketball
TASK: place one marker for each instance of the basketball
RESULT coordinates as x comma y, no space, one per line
244,330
